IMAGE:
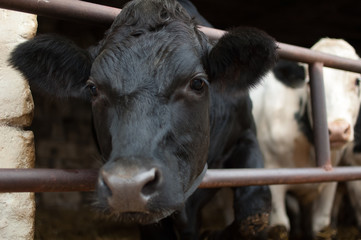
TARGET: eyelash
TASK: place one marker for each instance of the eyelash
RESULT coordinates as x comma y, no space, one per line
92,88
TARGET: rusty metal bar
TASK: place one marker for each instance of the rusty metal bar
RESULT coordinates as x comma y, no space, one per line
65,9
215,178
305,55
319,116
60,180
300,54
47,180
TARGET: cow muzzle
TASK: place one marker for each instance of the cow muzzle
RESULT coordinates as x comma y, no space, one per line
340,133
129,189
143,194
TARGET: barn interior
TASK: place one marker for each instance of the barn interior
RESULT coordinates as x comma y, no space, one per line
63,133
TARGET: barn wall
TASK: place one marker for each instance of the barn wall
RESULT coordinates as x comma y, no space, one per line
16,112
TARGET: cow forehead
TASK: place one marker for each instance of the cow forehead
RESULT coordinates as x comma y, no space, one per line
342,95
339,83
338,47
341,77
151,60
341,48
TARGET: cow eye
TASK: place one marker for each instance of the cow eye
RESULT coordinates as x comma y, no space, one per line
137,33
197,84
93,90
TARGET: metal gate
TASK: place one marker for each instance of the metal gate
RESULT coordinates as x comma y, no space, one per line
57,180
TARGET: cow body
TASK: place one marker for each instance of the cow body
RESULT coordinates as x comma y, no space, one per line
284,127
165,103
352,157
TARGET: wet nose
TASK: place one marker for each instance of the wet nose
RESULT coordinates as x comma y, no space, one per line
131,189
339,131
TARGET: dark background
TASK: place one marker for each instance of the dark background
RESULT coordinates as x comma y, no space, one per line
298,22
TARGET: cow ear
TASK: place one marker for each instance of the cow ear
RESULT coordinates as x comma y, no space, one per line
240,58
53,66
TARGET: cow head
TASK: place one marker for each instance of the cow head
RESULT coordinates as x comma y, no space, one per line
342,92
148,82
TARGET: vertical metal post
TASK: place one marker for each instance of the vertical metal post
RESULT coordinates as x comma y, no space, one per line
319,115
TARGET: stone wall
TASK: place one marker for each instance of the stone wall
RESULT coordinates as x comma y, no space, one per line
16,112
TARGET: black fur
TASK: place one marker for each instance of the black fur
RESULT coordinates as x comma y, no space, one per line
357,133
53,65
244,54
290,73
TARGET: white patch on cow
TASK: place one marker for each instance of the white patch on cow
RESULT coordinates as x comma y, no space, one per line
284,145
341,89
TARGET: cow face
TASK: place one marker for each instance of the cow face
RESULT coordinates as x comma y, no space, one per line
150,101
342,92
149,83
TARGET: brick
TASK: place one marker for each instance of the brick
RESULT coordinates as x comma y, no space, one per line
17,216
17,209
16,110
16,148
16,103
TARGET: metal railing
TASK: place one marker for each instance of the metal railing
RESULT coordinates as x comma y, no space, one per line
45,180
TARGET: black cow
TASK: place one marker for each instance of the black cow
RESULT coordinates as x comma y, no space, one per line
165,104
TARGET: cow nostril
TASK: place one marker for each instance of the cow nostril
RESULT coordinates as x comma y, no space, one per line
153,184
339,130
129,189
103,188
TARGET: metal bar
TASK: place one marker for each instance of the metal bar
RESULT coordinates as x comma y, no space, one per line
319,116
305,55
216,178
47,180
212,33
60,180
300,54
89,12
65,9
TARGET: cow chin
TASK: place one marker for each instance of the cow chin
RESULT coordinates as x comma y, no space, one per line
337,145
139,217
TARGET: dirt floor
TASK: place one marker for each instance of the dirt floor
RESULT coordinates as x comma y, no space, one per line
82,224
59,222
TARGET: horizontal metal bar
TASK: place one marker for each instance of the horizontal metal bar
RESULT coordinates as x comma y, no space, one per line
47,180
65,9
89,12
300,54
215,178
305,55
64,180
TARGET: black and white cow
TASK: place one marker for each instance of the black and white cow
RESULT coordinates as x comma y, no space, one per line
352,157
284,125
165,104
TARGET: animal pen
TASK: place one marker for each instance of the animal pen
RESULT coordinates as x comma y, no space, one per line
65,180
